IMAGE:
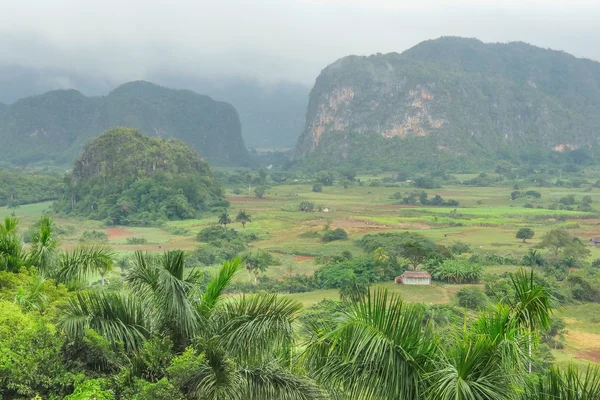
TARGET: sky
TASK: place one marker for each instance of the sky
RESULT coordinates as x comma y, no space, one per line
272,40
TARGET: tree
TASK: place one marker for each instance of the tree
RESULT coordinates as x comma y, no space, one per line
525,233
243,217
317,188
472,298
258,262
224,219
325,178
379,350
531,306
224,349
560,242
259,191
415,252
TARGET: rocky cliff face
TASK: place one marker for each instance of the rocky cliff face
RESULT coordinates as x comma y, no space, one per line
458,97
55,126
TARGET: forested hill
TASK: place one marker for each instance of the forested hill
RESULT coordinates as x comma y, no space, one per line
452,100
55,126
124,177
272,114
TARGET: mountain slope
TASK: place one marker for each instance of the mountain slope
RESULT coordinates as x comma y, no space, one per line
272,114
56,125
124,177
451,100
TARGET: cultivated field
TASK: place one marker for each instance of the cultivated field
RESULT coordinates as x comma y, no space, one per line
486,219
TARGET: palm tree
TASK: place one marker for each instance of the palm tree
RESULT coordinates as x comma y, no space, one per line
12,255
236,343
243,217
44,246
531,306
379,351
571,383
484,361
224,219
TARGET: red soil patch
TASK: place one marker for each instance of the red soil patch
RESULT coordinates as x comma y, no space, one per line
303,258
589,355
114,233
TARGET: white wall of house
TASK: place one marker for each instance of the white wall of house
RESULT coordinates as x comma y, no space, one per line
416,281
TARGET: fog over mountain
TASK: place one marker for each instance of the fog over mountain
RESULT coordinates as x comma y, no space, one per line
259,55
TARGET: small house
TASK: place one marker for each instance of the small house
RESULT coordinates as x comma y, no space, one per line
414,278
595,241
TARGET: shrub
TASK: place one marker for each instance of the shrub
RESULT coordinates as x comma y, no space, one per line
260,192
456,271
472,298
93,236
237,191
333,235
306,206
317,188
460,248
136,240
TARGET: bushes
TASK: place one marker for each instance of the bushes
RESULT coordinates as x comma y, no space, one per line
306,206
136,240
472,298
93,236
317,188
333,235
456,271
460,248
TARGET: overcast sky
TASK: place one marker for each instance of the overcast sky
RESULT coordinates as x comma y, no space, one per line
270,39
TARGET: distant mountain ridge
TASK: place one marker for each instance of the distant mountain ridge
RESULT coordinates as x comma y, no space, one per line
272,114
451,98
54,126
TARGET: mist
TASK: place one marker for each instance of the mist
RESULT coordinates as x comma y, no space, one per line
268,40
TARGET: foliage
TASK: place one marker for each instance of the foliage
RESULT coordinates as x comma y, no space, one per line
333,235
472,298
23,187
562,245
456,271
126,178
306,206
460,247
136,240
317,188
53,126
243,217
93,236
525,233
259,191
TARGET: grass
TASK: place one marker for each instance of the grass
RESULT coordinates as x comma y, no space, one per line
486,219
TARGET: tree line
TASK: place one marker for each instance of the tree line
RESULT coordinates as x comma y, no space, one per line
164,331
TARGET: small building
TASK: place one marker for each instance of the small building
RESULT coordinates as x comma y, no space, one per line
595,241
414,278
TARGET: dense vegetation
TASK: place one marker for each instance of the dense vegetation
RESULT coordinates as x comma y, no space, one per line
54,127
161,332
24,187
452,102
126,178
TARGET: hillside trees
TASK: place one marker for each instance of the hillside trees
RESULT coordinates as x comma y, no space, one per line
243,217
126,178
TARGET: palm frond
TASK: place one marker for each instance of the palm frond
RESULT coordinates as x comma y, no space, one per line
115,316
270,381
381,351
251,327
44,246
566,384
82,262
157,282
217,285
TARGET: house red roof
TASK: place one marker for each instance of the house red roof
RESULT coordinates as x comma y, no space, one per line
416,275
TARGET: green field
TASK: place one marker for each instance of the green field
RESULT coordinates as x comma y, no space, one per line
486,219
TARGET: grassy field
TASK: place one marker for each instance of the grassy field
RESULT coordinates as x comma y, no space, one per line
486,219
